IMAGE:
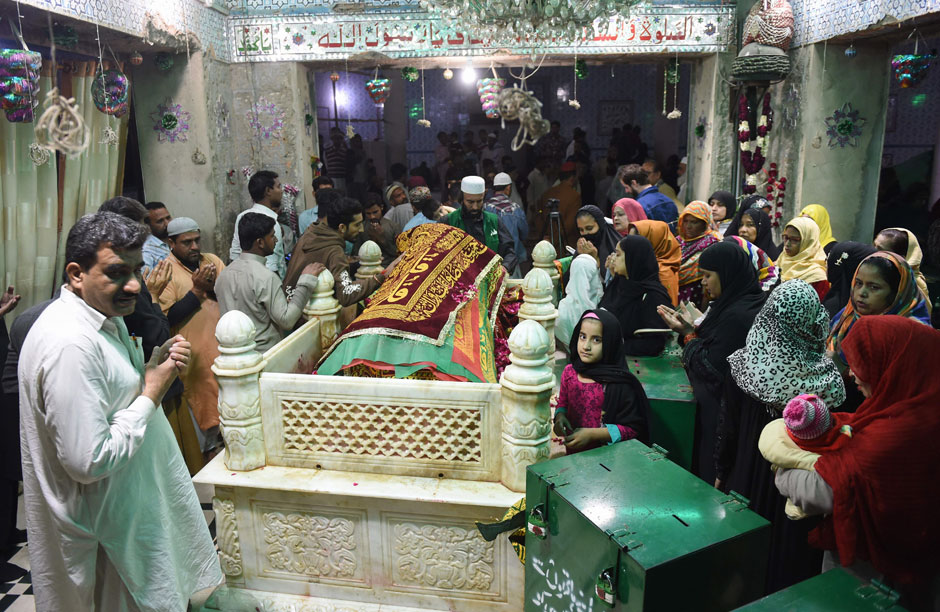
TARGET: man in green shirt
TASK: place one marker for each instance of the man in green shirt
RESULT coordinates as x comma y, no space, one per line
482,225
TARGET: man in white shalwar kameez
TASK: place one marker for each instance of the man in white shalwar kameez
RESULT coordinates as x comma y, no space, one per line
113,520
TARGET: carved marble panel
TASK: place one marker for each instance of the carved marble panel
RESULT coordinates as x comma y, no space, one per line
226,530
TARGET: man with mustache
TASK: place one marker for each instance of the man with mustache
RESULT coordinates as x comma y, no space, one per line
113,520
190,304
485,226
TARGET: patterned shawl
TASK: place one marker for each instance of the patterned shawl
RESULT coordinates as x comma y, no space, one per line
809,264
692,246
767,273
785,351
909,302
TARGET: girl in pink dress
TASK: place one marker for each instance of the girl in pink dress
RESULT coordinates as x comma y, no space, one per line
600,401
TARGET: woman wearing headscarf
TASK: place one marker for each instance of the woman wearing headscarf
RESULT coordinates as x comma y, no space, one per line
600,401
784,356
731,280
756,202
583,292
697,232
598,237
668,253
877,487
904,243
634,294
723,205
754,226
768,275
820,215
841,264
624,212
803,257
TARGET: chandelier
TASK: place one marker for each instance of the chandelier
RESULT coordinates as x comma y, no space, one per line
509,21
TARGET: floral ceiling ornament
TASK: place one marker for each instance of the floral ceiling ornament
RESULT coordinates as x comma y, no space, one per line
266,118
171,122
844,127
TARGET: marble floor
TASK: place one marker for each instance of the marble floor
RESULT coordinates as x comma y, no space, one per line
17,596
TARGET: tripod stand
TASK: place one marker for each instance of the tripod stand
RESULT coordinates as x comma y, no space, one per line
556,231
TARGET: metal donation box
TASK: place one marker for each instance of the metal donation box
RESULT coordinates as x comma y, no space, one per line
621,527
672,405
835,591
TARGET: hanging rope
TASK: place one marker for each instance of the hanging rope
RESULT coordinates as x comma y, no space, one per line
423,122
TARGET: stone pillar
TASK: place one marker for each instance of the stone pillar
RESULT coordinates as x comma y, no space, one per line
713,154
370,260
237,370
538,289
543,257
326,308
527,383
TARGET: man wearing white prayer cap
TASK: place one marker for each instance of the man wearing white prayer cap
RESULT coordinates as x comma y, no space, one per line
511,215
484,226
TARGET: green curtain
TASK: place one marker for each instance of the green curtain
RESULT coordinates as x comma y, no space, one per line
28,223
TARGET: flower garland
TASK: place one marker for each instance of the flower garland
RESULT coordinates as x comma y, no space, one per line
776,188
753,160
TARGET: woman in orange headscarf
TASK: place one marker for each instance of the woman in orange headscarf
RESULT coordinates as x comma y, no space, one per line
668,253
697,232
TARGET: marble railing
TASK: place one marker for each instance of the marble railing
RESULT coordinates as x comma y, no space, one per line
274,413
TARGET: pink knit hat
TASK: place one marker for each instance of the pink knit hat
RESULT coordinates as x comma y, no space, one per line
807,416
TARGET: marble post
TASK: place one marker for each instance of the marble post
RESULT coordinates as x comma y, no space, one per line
370,260
543,257
237,370
538,289
526,420
326,308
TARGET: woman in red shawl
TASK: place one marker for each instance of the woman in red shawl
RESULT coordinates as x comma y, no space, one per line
879,486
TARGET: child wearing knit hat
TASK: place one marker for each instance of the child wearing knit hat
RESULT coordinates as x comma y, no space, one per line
807,417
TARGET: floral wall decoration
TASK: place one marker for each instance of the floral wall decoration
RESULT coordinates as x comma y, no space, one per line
844,127
701,129
171,122
266,118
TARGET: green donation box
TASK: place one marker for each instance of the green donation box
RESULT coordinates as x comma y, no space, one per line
835,591
672,405
623,528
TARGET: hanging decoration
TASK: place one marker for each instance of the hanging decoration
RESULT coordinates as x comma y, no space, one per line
163,61
423,121
19,84
109,137
752,156
851,51
316,166
136,58
38,155
290,208
266,118
844,127
701,129
409,73
910,69
109,91
516,103
671,77
488,90
198,157
247,172
230,176
448,74
171,122
580,69
61,127
64,36
776,186
573,102
222,129
334,76
350,131
378,89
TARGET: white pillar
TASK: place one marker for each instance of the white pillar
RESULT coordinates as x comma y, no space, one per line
324,307
543,257
237,369
370,260
538,290
527,384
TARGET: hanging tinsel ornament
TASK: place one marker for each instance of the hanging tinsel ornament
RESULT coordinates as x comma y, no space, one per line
19,84
409,73
38,155
911,68
448,74
136,58
64,36
488,90
334,76
580,69
109,91
851,52
163,61
378,89
109,137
